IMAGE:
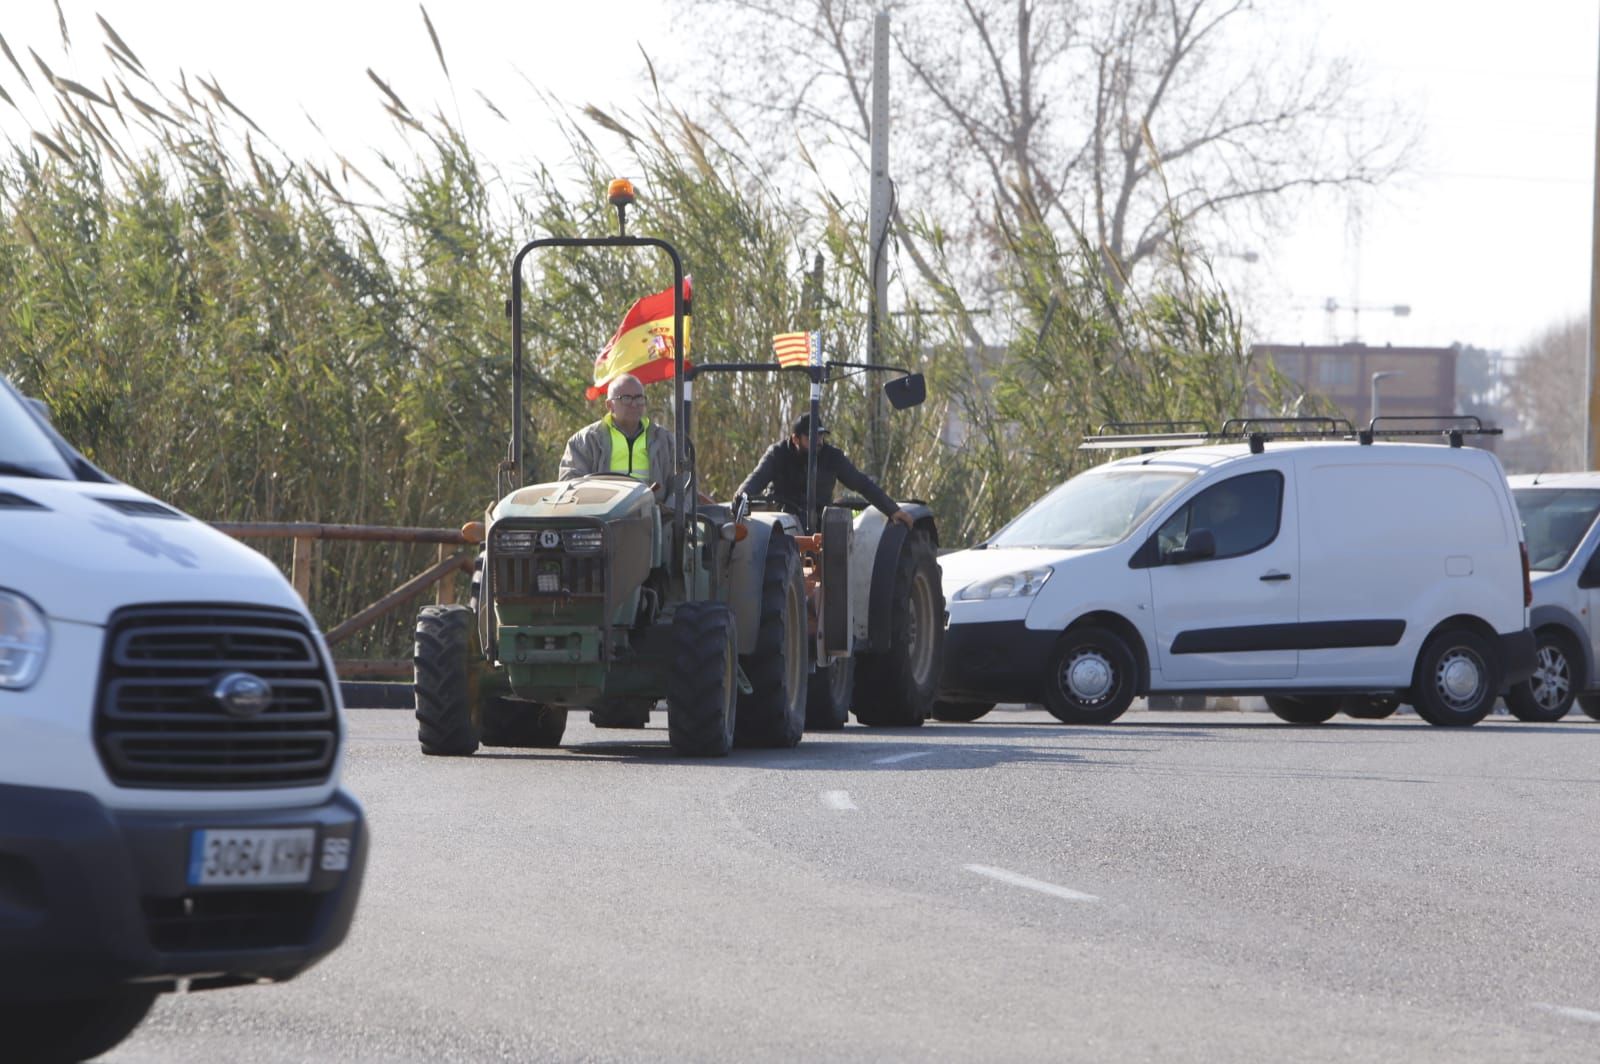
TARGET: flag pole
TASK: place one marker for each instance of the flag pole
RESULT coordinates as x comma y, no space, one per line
814,441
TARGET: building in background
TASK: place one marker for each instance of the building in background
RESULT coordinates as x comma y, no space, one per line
1412,381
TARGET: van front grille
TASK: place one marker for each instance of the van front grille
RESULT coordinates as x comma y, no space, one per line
160,721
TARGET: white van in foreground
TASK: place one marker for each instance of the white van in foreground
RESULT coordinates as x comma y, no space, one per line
170,735
1314,572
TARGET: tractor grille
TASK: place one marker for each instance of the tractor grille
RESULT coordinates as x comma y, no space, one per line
517,575
158,723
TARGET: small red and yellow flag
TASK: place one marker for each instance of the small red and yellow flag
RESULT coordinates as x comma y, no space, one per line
797,349
642,344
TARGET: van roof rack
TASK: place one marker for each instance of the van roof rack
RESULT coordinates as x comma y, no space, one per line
1113,435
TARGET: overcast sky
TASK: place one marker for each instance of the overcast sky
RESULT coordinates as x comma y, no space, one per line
1487,241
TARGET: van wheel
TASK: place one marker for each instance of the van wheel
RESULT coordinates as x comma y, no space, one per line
1457,679
828,695
73,1030
774,712
526,725
701,697
1369,707
1092,677
960,712
1590,704
1547,695
1304,709
895,688
445,659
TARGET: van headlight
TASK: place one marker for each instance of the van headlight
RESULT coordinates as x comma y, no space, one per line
1012,585
24,639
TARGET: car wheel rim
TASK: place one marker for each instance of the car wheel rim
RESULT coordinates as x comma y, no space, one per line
1552,678
1088,677
1459,678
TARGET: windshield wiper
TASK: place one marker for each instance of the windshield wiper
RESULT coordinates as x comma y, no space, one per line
17,469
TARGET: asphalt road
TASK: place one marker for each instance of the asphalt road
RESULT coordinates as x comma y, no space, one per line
1204,887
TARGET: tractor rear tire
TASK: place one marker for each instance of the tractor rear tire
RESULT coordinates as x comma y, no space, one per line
515,723
701,702
622,712
773,714
895,687
829,694
444,656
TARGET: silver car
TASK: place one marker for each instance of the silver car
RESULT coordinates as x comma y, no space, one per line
1558,516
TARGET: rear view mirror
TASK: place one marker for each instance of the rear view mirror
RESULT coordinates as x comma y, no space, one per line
1198,545
903,392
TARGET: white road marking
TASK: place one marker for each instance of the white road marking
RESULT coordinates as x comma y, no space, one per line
1570,1013
1030,884
837,800
896,758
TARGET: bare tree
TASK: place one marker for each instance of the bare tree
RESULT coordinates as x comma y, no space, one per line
1112,124
1548,391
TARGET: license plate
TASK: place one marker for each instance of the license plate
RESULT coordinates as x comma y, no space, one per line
242,857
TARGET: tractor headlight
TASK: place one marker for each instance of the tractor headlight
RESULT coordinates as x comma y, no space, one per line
511,542
24,639
579,540
1012,585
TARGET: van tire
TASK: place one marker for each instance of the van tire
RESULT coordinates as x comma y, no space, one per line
773,714
1106,674
522,725
701,702
1450,662
828,695
443,657
1369,707
895,688
1304,709
1548,694
960,712
1590,704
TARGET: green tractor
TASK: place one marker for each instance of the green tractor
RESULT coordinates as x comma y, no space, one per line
607,594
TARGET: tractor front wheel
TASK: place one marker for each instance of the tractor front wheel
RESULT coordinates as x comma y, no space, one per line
446,683
701,703
895,687
774,712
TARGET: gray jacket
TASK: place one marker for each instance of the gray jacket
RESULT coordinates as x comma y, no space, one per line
589,451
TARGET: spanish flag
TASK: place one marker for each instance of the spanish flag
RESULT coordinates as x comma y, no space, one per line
642,344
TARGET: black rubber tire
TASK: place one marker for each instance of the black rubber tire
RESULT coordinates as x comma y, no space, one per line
1084,644
1369,707
1305,709
701,705
1590,704
523,725
61,1031
895,688
829,693
960,712
1429,692
773,714
1548,694
622,711
444,657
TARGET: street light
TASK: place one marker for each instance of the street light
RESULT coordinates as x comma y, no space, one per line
1378,376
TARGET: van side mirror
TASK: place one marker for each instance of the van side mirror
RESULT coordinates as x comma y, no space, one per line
1197,546
907,391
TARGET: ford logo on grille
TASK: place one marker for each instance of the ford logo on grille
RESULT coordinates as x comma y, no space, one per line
242,694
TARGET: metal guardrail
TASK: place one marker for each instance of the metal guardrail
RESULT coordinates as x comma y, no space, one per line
305,535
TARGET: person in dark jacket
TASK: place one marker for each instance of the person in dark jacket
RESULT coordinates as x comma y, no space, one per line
783,467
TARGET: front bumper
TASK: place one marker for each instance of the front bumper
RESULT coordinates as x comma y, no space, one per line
1519,655
995,661
91,898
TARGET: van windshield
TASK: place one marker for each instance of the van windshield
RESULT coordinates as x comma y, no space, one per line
25,449
1554,521
1093,509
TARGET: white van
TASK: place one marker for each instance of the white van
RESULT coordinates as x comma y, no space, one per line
1319,573
170,736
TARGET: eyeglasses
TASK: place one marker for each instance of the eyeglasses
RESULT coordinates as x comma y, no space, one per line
627,398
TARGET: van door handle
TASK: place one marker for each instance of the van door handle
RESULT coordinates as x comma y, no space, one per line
1274,576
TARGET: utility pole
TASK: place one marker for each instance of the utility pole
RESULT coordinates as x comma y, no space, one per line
1591,450
878,235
